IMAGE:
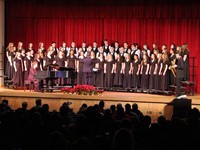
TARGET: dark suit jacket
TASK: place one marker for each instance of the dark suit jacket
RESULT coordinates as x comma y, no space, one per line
88,63
179,68
95,50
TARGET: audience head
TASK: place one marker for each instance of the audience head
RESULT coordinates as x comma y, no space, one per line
38,102
120,113
96,106
123,140
45,108
101,104
119,105
65,109
84,105
147,120
135,106
5,101
113,108
128,107
161,120
24,105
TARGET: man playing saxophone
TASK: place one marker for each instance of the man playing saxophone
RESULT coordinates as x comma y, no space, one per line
179,70
172,67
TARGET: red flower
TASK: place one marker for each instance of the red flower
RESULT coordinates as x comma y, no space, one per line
90,89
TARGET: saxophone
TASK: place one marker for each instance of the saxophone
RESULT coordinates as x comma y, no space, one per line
172,68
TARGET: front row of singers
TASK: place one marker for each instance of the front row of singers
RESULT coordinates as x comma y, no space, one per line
152,73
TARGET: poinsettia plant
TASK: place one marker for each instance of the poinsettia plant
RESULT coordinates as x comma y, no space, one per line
82,89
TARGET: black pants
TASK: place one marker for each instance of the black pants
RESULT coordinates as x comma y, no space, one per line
87,78
178,86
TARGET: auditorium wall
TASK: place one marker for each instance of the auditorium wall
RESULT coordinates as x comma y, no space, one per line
2,42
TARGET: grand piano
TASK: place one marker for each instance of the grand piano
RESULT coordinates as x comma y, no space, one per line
51,73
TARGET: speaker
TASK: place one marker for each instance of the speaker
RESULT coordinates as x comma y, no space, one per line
181,107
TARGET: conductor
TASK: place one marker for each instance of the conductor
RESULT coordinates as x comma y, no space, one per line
88,64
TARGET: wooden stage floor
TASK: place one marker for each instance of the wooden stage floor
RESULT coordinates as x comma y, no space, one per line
150,104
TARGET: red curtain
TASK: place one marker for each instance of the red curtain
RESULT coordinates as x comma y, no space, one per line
159,21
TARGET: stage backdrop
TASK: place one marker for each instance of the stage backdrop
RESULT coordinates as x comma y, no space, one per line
141,21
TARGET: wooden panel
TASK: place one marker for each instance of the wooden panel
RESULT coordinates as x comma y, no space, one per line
152,105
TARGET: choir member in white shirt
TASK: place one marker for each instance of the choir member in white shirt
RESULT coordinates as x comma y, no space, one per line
101,51
113,53
73,47
116,47
135,50
122,53
54,49
95,47
106,46
145,50
126,48
84,48
65,49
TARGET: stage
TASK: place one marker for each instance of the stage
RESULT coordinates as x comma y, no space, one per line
150,104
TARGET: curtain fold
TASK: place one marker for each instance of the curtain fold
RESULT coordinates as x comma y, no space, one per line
159,21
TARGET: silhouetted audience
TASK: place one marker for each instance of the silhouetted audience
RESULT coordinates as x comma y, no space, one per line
137,111
123,140
101,106
5,106
82,109
23,109
94,128
38,105
113,109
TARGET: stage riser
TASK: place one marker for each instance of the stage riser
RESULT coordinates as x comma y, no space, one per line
152,109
